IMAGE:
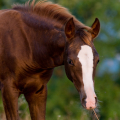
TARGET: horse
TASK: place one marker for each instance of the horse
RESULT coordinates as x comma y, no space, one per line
34,39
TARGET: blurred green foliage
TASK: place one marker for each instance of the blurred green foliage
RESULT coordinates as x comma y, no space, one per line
63,99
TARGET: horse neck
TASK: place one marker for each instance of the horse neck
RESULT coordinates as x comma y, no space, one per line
47,42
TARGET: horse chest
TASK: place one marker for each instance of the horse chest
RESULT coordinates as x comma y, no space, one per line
34,82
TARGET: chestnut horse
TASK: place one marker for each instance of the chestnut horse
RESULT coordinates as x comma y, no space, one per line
36,38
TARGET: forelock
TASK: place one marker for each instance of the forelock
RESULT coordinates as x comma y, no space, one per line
85,36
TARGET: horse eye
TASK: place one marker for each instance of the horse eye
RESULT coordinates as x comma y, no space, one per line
70,62
98,61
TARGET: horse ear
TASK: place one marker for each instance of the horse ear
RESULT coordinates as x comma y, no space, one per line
95,28
70,28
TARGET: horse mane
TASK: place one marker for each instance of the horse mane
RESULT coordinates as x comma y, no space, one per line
54,12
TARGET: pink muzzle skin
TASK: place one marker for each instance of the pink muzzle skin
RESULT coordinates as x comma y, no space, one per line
91,99
90,105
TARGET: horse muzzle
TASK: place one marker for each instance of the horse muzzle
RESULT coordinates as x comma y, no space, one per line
89,104
89,101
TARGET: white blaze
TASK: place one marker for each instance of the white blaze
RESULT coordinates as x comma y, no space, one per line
85,56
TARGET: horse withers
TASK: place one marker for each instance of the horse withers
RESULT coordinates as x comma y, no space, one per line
36,38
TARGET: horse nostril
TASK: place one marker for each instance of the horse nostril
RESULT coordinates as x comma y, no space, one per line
95,100
84,102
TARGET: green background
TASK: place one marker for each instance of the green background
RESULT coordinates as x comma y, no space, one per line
63,99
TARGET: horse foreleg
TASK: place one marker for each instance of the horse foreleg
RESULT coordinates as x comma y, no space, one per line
37,103
10,100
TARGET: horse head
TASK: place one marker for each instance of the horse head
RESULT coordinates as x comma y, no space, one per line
81,59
